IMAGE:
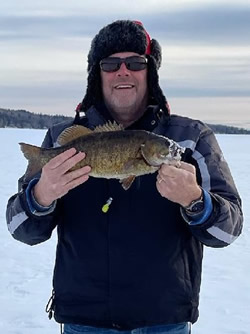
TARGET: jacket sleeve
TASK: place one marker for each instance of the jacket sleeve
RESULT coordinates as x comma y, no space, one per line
24,225
224,224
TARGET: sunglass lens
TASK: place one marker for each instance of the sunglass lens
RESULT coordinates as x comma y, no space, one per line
110,67
112,64
135,66
136,63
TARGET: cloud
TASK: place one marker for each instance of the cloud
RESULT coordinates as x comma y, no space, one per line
181,90
35,27
44,49
203,25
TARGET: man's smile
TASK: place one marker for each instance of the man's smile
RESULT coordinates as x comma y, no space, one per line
124,86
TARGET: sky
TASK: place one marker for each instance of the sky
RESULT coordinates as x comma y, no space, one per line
205,71
26,272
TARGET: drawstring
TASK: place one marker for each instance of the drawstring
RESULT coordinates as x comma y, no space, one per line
50,309
50,305
162,122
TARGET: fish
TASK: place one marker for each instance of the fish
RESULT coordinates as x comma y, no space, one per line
111,152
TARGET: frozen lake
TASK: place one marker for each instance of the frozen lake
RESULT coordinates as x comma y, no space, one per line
26,272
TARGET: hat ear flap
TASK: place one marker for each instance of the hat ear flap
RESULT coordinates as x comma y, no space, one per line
154,88
94,88
156,52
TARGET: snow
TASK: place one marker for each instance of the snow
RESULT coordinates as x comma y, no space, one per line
26,272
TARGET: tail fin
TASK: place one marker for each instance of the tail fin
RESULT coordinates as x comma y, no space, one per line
32,154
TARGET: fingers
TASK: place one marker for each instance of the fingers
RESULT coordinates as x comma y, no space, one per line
71,180
78,173
179,185
159,179
188,167
71,162
65,161
74,183
173,171
61,158
56,180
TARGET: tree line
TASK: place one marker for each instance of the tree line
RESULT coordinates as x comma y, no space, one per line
25,119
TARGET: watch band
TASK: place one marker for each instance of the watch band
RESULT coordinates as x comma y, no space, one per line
196,206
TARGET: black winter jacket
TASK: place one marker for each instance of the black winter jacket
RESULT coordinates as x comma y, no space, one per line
140,263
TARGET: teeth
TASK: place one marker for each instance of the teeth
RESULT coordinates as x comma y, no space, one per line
123,86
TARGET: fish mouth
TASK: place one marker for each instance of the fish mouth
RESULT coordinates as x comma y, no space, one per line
171,156
175,150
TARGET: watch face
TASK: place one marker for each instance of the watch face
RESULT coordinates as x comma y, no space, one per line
197,207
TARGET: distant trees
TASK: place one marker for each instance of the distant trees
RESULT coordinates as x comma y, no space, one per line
26,119
219,128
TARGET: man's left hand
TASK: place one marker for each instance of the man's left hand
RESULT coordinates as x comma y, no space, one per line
178,185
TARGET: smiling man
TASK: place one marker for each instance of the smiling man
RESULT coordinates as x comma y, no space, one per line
124,90
134,267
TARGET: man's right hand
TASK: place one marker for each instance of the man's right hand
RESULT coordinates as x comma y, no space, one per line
56,180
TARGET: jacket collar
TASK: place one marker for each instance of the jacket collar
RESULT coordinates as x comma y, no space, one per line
152,120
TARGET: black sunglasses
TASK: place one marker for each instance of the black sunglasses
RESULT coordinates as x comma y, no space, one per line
133,63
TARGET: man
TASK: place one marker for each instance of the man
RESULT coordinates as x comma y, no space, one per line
137,266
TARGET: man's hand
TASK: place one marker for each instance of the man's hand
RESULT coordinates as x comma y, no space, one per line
55,179
179,185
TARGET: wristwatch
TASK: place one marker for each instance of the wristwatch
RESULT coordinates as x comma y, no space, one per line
195,206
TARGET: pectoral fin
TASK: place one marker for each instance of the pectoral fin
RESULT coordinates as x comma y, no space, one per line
132,166
126,183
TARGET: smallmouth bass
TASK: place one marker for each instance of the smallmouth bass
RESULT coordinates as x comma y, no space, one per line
111,152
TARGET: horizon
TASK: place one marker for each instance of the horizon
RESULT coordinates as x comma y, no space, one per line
232,123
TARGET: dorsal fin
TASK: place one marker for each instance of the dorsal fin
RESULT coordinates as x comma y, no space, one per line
109,126
71,133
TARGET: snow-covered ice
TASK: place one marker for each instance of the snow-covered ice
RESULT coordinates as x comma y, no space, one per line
26,272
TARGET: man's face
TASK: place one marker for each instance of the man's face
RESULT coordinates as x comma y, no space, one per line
124,91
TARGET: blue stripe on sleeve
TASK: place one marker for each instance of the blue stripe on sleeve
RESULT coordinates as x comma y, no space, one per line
202,216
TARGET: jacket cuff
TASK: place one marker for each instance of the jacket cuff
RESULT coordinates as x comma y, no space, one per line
34,207
202,216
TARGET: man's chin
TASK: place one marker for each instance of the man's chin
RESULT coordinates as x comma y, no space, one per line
124,103
124,108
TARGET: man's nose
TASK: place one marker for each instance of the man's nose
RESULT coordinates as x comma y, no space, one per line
123,71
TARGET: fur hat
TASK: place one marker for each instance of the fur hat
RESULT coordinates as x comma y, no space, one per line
123,36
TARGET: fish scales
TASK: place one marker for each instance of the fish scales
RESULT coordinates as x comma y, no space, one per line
110,152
